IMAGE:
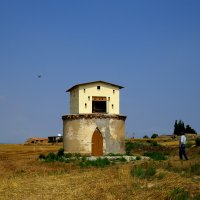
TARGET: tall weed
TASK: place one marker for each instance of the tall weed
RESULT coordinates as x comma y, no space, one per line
142,173
155,155
178,194
195,169
129,146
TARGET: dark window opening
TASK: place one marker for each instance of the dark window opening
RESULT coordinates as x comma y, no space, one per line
98,87
98,106
113,91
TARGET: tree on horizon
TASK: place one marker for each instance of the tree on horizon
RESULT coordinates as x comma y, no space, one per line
180,127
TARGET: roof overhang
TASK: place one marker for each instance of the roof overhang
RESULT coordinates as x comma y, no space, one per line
120,87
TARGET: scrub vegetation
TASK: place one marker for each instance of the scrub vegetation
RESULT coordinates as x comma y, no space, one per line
197,140
155,155
142,172
100,162
45,172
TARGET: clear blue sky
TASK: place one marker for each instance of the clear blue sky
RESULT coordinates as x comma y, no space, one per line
152,48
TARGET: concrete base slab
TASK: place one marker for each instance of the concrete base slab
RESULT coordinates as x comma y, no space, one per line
128,158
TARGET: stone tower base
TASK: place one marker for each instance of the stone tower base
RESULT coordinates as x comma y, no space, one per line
94,134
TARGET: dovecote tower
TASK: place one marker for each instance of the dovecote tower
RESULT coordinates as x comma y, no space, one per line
94,125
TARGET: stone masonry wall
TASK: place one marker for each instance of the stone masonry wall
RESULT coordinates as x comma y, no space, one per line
78,131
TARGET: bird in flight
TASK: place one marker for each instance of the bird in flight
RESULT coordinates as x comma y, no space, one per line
39,76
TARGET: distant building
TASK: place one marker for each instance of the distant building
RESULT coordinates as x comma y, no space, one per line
54,139
37,140
94,125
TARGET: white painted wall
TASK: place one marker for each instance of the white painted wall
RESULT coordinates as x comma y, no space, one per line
81,98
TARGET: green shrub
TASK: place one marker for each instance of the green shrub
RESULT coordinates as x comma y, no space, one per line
121,159
101,162
146,136
181,194
115,154
60,156
138,157
161,175
42,156
84,158
155,155
154,143
129,146
51,157
178,194
142,173
68,155
150,171
76,155
197,141
138,145
60,152
139,172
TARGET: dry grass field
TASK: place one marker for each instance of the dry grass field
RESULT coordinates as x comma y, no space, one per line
23,176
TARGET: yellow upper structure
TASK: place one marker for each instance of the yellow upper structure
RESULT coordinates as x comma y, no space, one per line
95,97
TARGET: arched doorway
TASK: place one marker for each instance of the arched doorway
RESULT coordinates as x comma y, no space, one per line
97,143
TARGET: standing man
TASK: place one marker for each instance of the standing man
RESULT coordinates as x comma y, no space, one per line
182,143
